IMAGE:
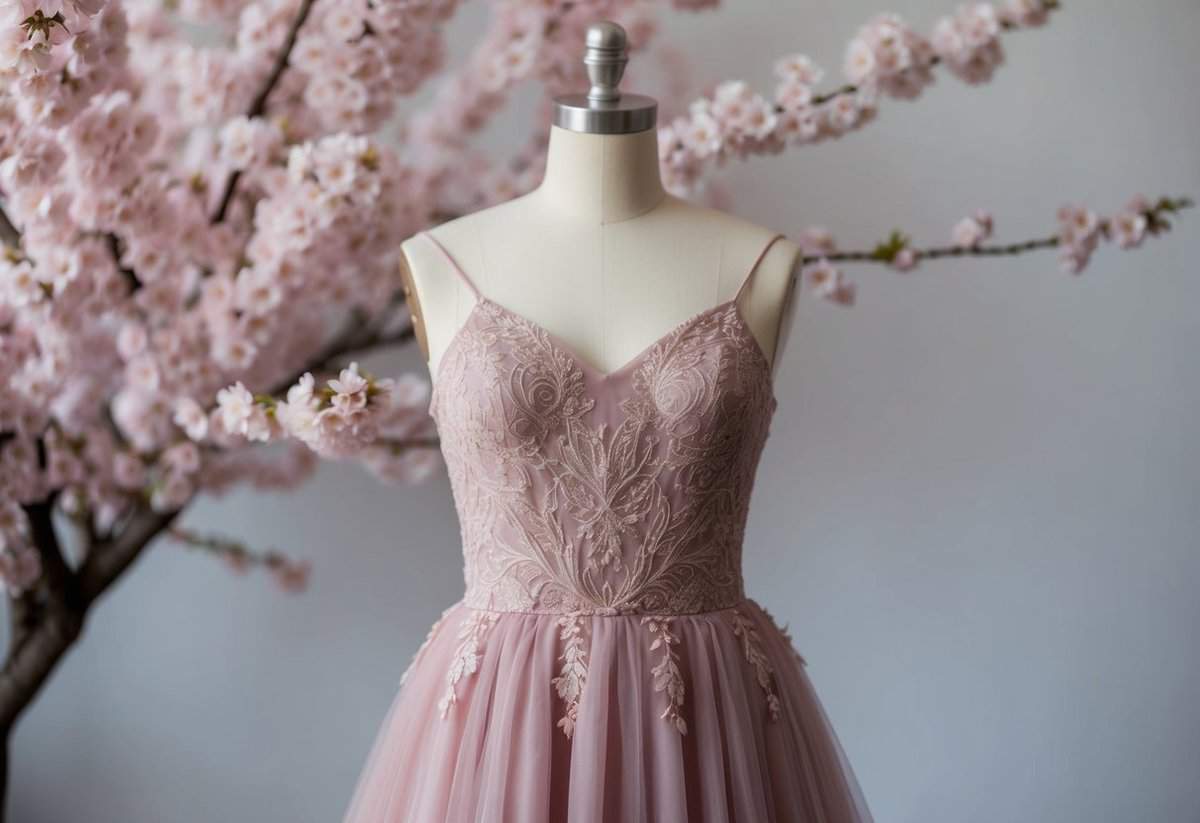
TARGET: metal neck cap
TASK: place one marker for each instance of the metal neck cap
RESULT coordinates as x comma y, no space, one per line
604,109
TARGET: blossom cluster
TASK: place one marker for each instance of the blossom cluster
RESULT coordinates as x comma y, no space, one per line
125,306
887,57
335,420
40,35
1080,230
351,62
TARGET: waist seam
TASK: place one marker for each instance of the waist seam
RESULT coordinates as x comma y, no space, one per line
602,614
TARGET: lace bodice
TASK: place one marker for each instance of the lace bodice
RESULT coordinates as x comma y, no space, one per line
585,492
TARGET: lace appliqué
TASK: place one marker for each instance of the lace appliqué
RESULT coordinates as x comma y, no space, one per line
466,656
667,676
628,501
743,628
569,682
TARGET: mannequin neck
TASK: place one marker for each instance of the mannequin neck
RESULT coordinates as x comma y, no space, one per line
602,178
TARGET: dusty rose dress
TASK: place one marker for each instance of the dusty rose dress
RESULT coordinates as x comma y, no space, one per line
605,664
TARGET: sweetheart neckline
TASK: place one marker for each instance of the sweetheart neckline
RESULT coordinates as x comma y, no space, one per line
629,365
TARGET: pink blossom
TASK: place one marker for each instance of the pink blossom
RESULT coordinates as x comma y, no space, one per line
1025,12
129,471
1129,229
172,492
246,142
293,576
969,42
793,96
14,525
828,282
972,231
132,340
350,390
890,56
798,69
701,134
816,240
190,417
1079,234
183,457
241,415
20,568
345,20
905,260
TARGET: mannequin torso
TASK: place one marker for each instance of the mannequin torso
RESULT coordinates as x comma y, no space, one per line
600,257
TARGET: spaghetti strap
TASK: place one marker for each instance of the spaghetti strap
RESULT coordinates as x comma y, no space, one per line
754,267
453,263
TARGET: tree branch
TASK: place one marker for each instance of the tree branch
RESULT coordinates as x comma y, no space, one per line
399,446
114,248
31,663
58,578
35,652
9,235
940,251
110,558
259,106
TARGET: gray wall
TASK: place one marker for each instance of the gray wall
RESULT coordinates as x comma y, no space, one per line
978,510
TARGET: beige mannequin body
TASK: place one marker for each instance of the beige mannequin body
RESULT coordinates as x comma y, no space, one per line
601,257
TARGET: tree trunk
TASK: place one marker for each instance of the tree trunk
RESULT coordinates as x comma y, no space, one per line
47,620
4,734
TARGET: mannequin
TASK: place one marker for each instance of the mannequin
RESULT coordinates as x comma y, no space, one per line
600,255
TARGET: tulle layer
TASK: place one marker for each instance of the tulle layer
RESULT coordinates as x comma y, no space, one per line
475,733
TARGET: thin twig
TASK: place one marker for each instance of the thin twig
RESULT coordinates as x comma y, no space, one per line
236,553
936,252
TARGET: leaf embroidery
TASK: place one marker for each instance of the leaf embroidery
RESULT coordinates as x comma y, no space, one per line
743,628
569,683
466,657
667,677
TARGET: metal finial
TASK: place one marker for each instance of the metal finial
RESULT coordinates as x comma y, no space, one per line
604,109
605,59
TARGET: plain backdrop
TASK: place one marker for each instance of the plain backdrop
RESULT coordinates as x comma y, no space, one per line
978,509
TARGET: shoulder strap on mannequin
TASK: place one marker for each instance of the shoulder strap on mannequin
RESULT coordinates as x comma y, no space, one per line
754,266
453,263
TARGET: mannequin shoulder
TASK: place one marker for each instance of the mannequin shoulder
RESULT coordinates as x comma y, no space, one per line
741,240
457,236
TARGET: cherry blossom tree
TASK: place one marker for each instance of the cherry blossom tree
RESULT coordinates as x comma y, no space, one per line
199,240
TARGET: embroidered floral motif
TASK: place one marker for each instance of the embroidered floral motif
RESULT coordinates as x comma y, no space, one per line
743,628
466,656
667,677
581,493
569,683
634,507
433,630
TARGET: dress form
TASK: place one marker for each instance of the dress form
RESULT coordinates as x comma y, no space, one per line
601,256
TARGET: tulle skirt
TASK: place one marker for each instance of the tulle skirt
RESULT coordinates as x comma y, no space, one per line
479,737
